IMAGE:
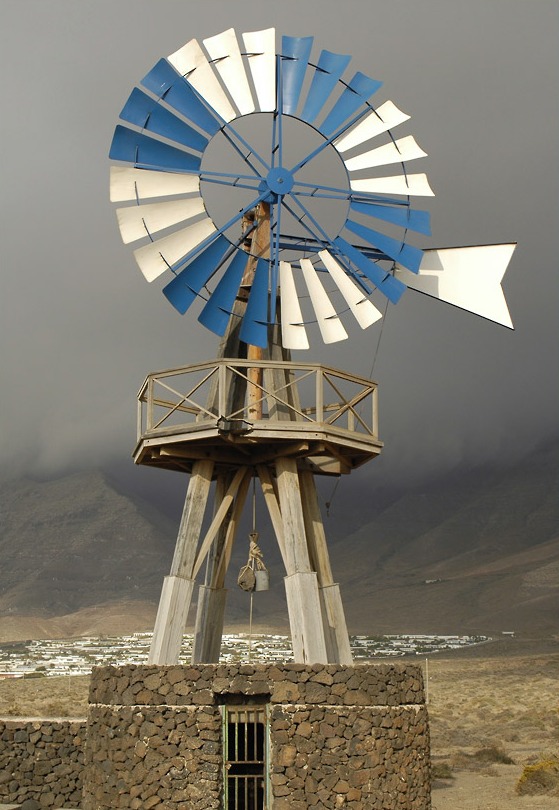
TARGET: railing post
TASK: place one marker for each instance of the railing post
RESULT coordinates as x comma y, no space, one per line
221,389
319,395
149,408
139,419
375,411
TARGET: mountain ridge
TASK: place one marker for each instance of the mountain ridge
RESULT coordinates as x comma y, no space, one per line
472,551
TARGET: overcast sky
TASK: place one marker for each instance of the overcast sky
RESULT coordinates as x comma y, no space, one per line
80,326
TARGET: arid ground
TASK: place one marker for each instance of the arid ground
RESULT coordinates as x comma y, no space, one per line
488,706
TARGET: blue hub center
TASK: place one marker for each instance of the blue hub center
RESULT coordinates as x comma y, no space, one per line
279,180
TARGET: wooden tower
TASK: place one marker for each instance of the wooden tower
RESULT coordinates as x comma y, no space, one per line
254,413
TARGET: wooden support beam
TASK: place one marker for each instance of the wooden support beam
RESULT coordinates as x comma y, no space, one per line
170,622
206,643
301,584
333,616
259,249
291,449
218,519
192,517
222,562
176,594
335,629
208,630
296,551
329,466
303,606
271,500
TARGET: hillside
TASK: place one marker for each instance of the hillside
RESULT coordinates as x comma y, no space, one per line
477,551
74,543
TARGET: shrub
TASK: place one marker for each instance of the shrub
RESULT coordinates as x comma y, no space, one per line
442,770
540,778
494,755
481,759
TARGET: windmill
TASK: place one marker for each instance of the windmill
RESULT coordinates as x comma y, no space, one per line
270,193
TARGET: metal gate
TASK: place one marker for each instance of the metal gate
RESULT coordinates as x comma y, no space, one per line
245,737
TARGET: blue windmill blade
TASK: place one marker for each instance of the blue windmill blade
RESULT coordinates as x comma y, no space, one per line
164,82
408,256
145,112
328,71
254,329
295,52
148,153
357,92
385,282
403,216
216,313
186,286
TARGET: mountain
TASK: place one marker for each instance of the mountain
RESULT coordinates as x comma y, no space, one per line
74,543
472,552
478,551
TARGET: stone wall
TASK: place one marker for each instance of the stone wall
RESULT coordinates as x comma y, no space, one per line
42,760
340,737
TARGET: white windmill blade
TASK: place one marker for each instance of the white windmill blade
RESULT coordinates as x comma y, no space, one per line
293,332
261,55
380,120
468,277
139,184
331,328
155,258
224,51
414,185
363,310
190,61
138,221
403,149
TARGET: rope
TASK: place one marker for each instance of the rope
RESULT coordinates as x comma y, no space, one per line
328,503
247,576
380,336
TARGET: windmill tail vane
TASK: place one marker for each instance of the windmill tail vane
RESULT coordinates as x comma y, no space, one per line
337,249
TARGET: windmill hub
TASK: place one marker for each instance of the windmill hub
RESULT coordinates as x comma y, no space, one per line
279,180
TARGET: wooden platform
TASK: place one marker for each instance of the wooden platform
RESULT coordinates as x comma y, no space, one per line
235,416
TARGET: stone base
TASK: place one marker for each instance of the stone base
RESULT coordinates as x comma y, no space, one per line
338,736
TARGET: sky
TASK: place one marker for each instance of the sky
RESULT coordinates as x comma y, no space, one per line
80,327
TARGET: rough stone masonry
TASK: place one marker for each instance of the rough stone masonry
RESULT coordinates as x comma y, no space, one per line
338,737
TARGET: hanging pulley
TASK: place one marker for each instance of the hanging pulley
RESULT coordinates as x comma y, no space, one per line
254,576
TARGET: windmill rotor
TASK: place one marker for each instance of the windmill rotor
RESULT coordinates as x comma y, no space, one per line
220,127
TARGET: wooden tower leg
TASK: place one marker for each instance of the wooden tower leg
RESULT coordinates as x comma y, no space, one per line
301,584
208,631
333,617
176,594
207,638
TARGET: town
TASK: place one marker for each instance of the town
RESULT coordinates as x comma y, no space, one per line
43,658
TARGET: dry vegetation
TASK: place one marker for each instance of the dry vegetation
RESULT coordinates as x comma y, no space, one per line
44,697
494,727
494,723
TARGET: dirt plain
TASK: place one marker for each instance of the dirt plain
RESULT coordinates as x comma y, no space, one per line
497,701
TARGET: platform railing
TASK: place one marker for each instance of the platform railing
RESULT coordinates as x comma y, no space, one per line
216,392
